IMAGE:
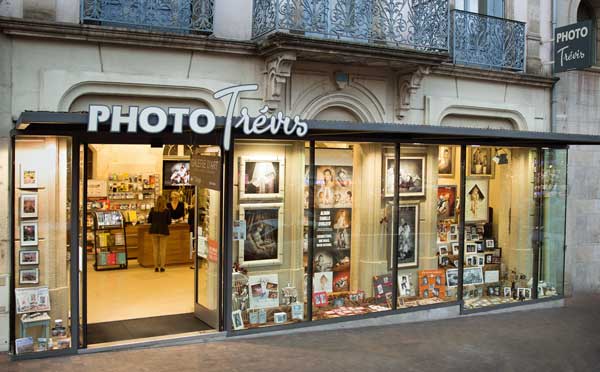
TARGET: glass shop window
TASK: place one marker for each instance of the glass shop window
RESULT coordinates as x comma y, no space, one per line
428,243
500,220
354,194
42,252
269,249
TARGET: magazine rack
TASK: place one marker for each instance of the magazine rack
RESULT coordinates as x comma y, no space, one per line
110,242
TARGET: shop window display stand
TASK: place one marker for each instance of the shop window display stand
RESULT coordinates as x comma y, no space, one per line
109,255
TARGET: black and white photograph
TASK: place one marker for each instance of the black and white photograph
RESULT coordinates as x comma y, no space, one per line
404,285
489,244
29,257
473,276
443,250
262,245
455,249
471,248
29,233
479,161
261,178
176,173
476,204
412,176
446,161
29,276
507,292
408,232
452,277
236,319
29,206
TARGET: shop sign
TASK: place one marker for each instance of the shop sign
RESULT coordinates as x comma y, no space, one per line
213,251
154,120
206,171
574,47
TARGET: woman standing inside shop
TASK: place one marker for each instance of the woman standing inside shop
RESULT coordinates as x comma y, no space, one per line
159,219
176,208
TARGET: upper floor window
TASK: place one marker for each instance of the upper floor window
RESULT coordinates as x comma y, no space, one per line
493,8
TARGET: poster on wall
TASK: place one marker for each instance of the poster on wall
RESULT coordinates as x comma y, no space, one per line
446,161
205,171
412,176
264,291
176,173
333,239
408,233
29,300
263,241
97,188
446,202
476,205
261,178
333,187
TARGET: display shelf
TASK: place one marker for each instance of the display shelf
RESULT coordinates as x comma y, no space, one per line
108,227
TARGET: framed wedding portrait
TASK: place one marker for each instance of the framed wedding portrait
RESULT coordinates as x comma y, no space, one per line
29,233
263,245
261,178
28,206
479,161
28,177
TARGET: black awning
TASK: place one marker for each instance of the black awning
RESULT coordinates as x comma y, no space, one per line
68,123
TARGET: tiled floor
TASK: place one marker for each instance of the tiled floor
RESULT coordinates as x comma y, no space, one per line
562,339
139,292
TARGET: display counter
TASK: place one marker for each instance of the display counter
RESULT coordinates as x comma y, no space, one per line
178,245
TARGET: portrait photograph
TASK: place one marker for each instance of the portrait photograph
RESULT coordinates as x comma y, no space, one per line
29,178
236,319
262,245
404,285
455,249
479,161
341,281
412,176
261,178
446,202
176,173
333,186
476,203
408,233
473,276
29,233
29,257
323,282
29,206
452,277
446,161
29,276
260,295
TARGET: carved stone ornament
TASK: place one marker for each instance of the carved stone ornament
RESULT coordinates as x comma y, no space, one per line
408,84
279,69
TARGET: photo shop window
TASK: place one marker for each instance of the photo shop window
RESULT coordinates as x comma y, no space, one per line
352,270
428,231
500,220
268,236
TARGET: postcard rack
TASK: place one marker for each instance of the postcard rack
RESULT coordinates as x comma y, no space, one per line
110,242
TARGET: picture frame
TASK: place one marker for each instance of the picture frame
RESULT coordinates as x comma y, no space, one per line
29,257
263,245
446,161
29,233
446,203
452,278
404,285
28,177
490,244
408,236
280,317
320,299
455,249
333,187
32,299
470,248
28,206
236,320
29,276
477,198
524,293
261,177
298,311
443,250
479,161
412,176
489,259
472,276
507,292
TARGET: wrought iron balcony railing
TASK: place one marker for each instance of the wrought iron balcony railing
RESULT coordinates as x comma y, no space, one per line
416,24
169,15
488,42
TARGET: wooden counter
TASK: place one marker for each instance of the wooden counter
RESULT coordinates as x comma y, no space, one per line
178,245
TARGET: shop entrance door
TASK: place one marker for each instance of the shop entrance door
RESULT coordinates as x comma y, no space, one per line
206,169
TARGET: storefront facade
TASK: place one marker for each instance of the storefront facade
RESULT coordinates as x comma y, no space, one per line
302,232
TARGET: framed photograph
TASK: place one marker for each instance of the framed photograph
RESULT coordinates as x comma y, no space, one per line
263,291
452,238
455,249
507,292
333,186
29,233
524,293
471,259
261,178
320,299
323,282
28,177
29,257
492,276
489,244
176,173
31,300
443,261
452,277
446,161
412,176
497,252
404,285
476,204
446,203
280,317
480,247
28,206
489,259
443,250
264,235
298,311
408,236
479,161
236,319
472,276
29,276
470,248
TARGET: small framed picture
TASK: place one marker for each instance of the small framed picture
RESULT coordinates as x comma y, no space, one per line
29,276
507,292
443,250
298,311
489,259
320,299
480,247
29,257
28,206
280,317
29,177
471,248
452,237
497,252
29,233
444,261
236,319
455,249
489,244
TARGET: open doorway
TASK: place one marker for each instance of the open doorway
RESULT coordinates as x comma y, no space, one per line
134,290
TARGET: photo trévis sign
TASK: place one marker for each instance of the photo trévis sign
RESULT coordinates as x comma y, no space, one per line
574,46
276,123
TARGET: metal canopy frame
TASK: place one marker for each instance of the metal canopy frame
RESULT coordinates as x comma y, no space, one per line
74,125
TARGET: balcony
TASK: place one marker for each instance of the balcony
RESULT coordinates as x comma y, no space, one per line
413,24
488,42
183,16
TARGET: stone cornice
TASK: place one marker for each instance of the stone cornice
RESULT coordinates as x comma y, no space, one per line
495,75
122,36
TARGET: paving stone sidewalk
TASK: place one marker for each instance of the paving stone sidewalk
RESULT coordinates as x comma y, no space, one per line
563,339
